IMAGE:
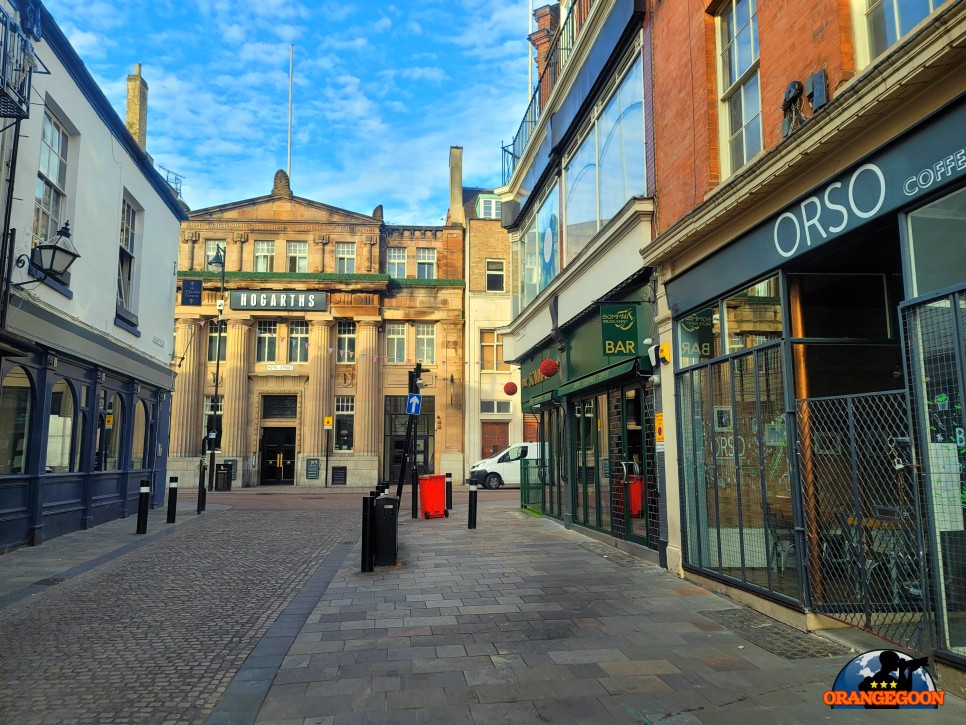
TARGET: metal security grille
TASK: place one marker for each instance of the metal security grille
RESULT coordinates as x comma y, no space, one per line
934,332
861,508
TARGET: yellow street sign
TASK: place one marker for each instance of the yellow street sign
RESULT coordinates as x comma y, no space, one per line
327,422
109,420
659,427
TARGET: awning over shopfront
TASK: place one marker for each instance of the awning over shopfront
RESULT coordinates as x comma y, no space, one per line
601,376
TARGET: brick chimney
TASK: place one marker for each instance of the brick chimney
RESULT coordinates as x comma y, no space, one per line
456,215
137,107
548,22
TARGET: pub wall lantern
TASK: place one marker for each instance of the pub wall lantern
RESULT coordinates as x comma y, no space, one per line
51,258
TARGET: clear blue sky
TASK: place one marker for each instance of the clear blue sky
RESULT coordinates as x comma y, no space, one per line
381,91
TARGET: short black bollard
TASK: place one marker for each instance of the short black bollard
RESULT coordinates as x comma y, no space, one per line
172,499
367,553
202,493
472,522
414,478
144,502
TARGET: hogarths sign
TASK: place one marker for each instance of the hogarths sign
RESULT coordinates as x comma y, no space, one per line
278,300
618,329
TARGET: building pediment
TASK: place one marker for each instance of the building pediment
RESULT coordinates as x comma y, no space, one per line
276,213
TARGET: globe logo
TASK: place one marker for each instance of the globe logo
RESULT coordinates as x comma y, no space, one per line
884,679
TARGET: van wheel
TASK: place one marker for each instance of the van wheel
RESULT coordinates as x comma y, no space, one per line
492,481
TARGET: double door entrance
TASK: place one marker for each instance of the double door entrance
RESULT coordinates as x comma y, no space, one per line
277,454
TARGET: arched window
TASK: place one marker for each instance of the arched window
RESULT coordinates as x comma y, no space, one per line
139,439
16,402
109,431
62,428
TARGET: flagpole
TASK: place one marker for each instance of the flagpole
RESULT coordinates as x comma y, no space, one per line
291,58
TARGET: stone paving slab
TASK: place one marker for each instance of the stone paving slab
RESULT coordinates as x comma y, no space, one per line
523,621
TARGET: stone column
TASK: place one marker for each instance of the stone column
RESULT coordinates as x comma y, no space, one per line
234,387
369,406
318,390
186,423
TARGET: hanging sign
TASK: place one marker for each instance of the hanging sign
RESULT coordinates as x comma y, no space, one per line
618,329
191,292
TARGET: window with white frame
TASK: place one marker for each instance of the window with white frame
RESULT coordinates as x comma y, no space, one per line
489,208
491,351
741,95
345,410
425,264
395,342
345,258
426,342
495,275
264,256
396,262
495,406
51,199
266,338
211,249
126,254
298,256
345,341
217,344
889,20
298,341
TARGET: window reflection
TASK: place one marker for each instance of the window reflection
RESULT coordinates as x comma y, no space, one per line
15,405
61,427
753,316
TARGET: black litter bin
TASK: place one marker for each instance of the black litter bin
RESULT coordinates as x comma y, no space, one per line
385,531
223,477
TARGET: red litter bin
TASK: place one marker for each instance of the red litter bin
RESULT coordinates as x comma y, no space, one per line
635,486
432,496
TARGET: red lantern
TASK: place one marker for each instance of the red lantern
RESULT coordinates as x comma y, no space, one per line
510,388
549,368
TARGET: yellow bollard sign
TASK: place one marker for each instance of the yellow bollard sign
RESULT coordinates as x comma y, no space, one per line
659,427
327,422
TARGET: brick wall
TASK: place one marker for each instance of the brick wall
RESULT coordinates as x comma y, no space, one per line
795,40
488,240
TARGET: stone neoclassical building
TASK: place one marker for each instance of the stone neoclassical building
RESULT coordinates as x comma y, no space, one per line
325,311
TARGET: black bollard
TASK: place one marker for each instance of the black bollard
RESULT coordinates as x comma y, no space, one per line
172,499
202,493
144,503
449,491
472,521
367,502
415,486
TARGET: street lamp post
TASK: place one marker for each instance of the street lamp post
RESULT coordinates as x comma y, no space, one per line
216,262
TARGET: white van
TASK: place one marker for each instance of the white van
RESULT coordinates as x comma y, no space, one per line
503,468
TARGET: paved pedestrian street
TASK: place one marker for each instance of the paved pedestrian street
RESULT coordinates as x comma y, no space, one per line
257,612
156,635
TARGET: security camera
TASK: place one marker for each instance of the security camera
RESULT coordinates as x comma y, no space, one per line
651,354
421,383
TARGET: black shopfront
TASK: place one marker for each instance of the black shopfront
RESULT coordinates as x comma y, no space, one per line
820,375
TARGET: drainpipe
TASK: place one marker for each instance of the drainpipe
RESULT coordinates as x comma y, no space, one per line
6,268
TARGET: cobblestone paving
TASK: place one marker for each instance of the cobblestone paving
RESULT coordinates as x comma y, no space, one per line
156,636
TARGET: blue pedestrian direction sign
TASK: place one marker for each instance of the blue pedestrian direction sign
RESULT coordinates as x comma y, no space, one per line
413,404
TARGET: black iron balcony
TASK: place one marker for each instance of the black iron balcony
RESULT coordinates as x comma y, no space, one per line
17,62
558,57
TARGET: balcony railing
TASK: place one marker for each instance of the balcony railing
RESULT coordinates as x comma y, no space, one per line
17,62
558,57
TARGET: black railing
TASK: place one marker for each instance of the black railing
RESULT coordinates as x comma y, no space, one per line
561,49
17,61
